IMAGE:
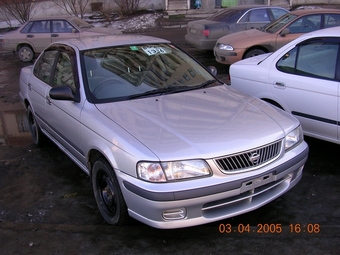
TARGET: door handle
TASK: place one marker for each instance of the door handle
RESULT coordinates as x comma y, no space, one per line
29,86
30,36
54,35
280,85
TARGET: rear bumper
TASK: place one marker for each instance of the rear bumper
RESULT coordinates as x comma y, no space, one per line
200,43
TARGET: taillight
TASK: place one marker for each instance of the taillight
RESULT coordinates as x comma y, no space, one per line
206,32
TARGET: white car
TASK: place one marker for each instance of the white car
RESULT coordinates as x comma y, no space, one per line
302,78
162,139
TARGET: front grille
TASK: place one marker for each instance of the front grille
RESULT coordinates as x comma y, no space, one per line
249,159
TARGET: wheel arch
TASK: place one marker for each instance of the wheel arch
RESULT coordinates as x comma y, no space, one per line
23,44
255,47
273,102
93,155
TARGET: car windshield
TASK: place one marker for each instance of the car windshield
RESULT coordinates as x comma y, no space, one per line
223,15
135,71
80,23
279,23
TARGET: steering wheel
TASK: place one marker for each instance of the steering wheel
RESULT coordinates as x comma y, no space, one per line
105,84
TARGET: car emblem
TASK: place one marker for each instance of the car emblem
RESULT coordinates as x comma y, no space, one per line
254,158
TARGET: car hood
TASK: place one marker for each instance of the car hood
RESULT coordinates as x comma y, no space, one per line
204,123
242,37
102,30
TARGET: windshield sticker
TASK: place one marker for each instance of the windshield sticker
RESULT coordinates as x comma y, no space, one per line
153,50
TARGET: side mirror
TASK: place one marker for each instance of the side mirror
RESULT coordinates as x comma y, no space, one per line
73,31
63,93
212,70
285,31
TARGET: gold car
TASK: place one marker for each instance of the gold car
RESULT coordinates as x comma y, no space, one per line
35,35
245,44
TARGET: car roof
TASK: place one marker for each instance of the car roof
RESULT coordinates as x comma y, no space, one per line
102,41
251,6
52,18
311,11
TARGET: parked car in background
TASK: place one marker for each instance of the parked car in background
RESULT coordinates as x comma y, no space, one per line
35,35
204,33
245,44
162,139
302,78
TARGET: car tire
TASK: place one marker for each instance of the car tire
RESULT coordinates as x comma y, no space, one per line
26,54
37,136
253,53
107,193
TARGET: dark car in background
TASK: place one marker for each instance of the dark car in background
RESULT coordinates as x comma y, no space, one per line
204,33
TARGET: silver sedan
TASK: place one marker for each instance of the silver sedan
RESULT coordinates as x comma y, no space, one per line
162,139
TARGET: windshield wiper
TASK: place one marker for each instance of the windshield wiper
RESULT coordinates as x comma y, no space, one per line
159,92
174,89
207,83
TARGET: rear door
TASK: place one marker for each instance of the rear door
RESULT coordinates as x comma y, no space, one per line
39,35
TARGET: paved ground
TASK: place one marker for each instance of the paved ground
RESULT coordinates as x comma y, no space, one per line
47,206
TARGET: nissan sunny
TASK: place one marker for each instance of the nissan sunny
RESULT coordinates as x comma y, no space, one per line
163,140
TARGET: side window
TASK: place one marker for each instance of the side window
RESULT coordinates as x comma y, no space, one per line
63,75
259,15
287,63
67,27
43,67
277,13
317,59
332,20
61,26
306,24
27,27
41,27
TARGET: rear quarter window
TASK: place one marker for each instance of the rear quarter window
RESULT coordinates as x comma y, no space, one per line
230,16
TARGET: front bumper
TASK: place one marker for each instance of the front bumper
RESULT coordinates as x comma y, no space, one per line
227,57
164,209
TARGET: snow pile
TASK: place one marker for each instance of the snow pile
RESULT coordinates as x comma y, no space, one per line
132,24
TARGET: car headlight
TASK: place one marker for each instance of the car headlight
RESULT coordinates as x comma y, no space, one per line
222,46
172,171
293,138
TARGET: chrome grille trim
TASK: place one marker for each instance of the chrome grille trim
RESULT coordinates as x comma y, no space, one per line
251,159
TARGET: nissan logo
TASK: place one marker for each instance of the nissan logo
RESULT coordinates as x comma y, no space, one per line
254,157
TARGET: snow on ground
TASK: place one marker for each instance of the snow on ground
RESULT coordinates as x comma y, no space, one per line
137,22
132,24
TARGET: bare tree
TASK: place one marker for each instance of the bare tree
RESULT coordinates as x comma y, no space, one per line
18,9
127,6
74,7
